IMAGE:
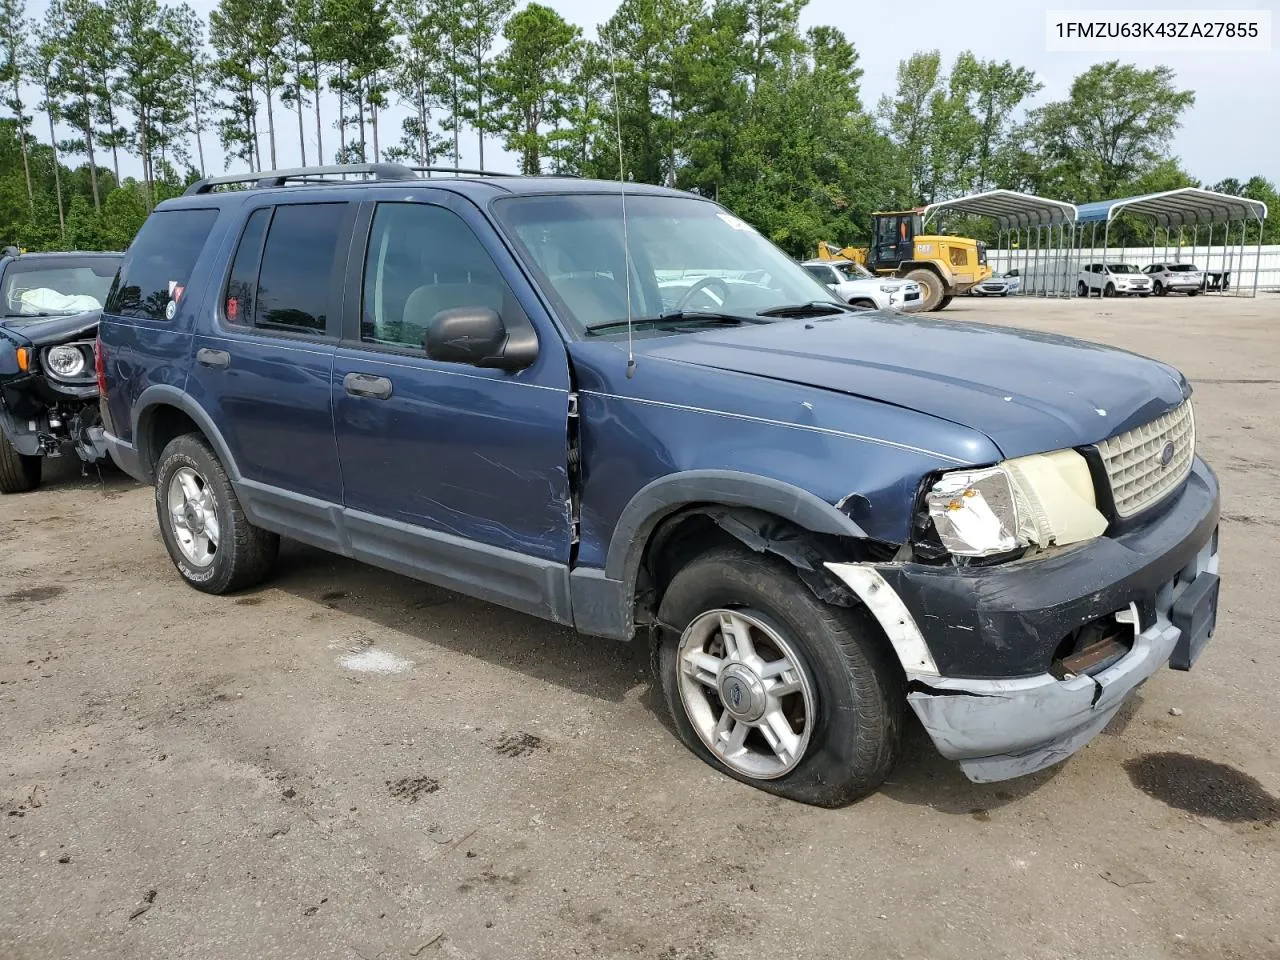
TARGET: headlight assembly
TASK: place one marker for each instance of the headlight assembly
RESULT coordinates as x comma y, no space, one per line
1043,500
66,362
890,287
974,512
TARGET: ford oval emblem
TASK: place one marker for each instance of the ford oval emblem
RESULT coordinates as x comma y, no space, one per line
1166,455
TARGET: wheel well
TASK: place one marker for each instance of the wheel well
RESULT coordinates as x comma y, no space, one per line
693,530
163,423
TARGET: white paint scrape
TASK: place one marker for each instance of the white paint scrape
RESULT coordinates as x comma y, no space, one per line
373,660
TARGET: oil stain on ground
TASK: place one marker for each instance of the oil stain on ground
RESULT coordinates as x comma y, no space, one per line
34,594
1203,787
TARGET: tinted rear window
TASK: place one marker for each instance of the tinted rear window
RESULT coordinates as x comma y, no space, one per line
159,263
298,267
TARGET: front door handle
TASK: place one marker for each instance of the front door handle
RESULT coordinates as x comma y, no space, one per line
213,358
367,385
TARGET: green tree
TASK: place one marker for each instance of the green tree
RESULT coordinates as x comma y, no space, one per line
42,55
197,68
530,81
416,77
909,121
481,24
1115,126
356,35
991,92
585,112
149,83
14,27
79,26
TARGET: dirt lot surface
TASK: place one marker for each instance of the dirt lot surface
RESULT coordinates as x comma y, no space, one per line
185,776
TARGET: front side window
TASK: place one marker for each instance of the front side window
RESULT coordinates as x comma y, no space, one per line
46,287
821,274
423,259
679,254
298,267
158,266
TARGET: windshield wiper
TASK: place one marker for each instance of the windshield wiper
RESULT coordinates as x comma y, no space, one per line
676,318
814,308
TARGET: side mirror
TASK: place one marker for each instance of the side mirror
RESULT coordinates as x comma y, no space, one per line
477,336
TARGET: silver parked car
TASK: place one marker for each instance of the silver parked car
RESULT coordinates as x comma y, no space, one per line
1175,278
1001,286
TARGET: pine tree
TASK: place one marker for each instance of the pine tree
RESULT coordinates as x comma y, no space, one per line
14,27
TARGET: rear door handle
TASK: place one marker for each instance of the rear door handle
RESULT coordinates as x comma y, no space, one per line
213,358
367,385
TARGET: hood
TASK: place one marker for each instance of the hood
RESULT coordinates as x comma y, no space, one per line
42,331
1029,392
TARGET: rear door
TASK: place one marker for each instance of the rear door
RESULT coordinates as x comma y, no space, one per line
449,471
262,368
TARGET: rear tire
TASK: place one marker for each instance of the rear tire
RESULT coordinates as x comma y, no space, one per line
931,284
843,714
1081,289
19,472
209,539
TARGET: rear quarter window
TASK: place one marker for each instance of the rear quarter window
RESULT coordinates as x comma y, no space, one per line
157,268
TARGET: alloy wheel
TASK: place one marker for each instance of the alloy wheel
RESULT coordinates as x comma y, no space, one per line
747,693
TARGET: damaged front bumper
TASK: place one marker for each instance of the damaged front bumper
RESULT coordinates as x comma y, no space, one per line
1159,581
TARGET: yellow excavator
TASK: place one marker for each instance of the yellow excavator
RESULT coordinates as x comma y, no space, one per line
944,266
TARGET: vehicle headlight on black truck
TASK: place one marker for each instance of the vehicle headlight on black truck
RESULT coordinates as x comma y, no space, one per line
1041,500
66,362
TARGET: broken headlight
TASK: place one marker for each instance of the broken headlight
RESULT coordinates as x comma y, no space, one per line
974,512
1043,500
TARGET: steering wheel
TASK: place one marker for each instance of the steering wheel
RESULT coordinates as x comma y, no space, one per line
701,285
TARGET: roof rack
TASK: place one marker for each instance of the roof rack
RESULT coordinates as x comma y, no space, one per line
462,172
278,178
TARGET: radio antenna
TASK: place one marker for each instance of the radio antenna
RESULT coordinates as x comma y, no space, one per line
622,189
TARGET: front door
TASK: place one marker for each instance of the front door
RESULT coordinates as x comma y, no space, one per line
452,472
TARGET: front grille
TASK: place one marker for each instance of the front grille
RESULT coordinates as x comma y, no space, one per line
1139,465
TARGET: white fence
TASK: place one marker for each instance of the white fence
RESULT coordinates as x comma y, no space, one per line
1052,272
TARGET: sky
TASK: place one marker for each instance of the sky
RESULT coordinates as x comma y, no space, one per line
1232,131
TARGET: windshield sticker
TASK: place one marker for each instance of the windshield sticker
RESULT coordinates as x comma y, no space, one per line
733,221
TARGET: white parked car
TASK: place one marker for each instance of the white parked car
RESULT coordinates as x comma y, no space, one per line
1175,278
1000,286
855,284
1113,280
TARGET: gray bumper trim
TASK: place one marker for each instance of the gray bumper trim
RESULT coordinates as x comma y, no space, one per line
1000,729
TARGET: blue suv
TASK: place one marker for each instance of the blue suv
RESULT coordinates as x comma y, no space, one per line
622,409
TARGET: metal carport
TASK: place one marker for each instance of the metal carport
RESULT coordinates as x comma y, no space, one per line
1041,257
1186,207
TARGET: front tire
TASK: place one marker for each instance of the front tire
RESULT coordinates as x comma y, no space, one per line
931,285
1159,289
1110,290
771,686
208,537
863,303
19,472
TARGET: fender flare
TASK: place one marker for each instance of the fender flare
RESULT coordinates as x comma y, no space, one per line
162,394
662,497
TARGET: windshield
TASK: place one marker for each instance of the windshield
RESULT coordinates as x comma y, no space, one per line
1123,268
854,271
686,255
1181,268
55,287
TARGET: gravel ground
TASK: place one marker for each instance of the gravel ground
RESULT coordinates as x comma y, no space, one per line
346,763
